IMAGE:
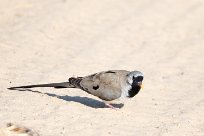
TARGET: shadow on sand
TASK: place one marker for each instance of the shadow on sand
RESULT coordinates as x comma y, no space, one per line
83,100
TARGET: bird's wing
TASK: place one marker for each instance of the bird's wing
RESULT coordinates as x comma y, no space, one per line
105,85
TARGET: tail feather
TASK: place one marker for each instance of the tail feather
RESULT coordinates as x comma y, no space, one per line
55,85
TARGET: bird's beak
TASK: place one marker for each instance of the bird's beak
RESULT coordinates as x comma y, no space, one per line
141,85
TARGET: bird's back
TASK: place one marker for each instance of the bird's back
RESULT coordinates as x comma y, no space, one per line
105,85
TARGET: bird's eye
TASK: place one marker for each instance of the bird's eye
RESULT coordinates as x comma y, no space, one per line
138,78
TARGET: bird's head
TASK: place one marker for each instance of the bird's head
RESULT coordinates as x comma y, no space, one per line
135,79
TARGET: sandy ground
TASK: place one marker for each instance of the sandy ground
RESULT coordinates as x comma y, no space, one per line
51,40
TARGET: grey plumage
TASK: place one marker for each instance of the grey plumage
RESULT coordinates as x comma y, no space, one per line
107,85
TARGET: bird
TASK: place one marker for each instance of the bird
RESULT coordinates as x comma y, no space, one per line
108,85
16,130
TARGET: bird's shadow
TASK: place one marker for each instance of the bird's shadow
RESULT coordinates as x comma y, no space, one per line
83,100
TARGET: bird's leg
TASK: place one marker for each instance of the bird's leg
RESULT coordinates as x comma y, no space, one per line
111,106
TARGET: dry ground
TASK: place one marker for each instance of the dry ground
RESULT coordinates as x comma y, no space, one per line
45,41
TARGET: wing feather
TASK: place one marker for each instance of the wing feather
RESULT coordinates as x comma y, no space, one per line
105,85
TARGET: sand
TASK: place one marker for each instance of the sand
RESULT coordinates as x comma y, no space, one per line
51,40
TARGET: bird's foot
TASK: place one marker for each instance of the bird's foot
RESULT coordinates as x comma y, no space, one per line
111,106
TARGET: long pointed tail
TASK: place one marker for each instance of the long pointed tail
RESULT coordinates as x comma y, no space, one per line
55,85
